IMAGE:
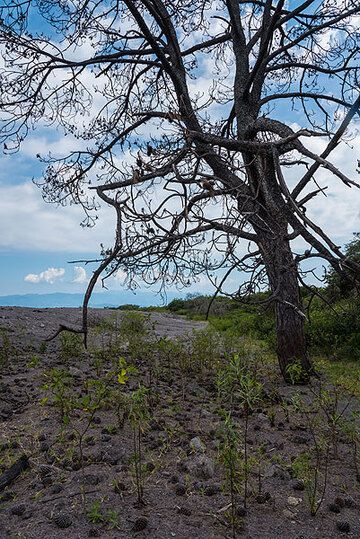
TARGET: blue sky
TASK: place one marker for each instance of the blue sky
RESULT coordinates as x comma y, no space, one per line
39,239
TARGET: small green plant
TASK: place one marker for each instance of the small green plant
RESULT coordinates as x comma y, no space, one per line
59,383
71,346
112,518
42,347
205,350
295,373
33,362
229,455
312,467
139,417
95,513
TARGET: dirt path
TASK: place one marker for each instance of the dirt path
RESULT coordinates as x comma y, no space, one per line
31,326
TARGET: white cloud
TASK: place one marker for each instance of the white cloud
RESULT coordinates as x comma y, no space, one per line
79,275
47,276
32,225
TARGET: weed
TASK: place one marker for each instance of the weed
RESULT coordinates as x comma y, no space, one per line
59,384
139,416
229,456
71,346
33,362
95,513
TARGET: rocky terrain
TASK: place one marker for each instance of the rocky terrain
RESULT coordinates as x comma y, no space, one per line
129,438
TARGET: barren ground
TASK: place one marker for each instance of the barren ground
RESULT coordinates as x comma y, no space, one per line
185,491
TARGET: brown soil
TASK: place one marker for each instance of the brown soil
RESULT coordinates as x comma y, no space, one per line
181,501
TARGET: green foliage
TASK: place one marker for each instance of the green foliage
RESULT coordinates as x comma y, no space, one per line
71,346
343,285
33,362
128,307
95,513
139,413
230,456
294,373
134,323
205,349
236,382
335,330
59,384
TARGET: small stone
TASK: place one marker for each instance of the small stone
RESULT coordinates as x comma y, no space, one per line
210,490
140,524
18,510
294,501
96,420
276,471
180,490
45,470
300,440
197,445
201,466
174,479
7,496
241,511
343,526
113,457
340,501
263,498
150,466
297,484
62,520
44,447
184,511
349,502
47,481
57,488
334,508
91,479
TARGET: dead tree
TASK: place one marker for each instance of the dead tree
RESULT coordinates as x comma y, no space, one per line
183,112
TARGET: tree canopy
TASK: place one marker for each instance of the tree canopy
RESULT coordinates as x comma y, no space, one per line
184,116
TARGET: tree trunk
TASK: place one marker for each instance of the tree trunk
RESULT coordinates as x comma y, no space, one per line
294,362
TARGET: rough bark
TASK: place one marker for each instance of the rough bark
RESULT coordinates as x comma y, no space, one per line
290,319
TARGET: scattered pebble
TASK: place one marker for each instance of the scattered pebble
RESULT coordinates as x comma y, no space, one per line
297,484
343,526
18,510
180,490
62,520
294,501
334,508
184,511
140,524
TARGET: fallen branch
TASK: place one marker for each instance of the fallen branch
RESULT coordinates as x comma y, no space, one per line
13,472
63,327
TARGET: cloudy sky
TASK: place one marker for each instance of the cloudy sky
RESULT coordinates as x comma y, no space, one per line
38,240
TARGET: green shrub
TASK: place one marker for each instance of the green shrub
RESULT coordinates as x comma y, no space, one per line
335,331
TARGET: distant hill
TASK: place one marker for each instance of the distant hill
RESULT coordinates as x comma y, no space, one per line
98,300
